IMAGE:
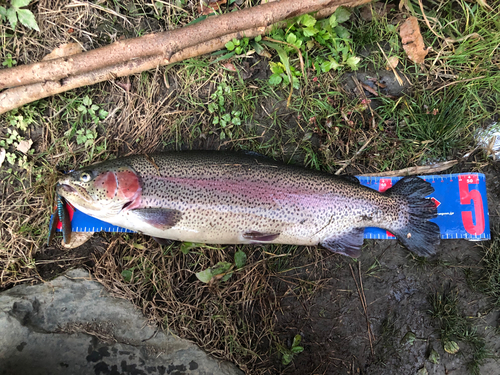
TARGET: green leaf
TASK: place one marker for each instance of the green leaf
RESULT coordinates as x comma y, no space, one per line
409,338
27,19
258,48
287,358
20,3
12,17
238,50
258,38
227,276
307,20
230,45
103,114
310,31
329,65
127,275
353,62
224,57
219,269
296,340
434,357
297,349
342,14
205,276
291,38
275,79
87,101
284,60
212,107
199,19
333,20
342,32
3,13
187,246
236,121
275,68
240,258
451,347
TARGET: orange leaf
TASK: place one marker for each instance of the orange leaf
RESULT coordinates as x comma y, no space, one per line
212,7
412,40
229,66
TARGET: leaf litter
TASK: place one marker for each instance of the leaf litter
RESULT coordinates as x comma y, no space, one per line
412,40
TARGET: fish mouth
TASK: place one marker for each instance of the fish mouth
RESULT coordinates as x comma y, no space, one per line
67,188
66,191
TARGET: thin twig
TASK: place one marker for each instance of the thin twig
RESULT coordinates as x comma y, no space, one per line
398,78
357,153
362,298
439,167
461,81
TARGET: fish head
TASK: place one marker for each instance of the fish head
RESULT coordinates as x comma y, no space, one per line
101,191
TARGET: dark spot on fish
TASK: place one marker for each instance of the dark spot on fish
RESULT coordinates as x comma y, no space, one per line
366,218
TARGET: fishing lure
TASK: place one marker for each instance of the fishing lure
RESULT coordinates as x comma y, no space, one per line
61,215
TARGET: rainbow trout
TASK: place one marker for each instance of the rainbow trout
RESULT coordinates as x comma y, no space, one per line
225,198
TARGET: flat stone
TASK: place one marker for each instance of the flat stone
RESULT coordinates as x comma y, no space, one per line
72,325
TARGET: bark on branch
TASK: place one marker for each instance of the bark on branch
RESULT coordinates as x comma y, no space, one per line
100,71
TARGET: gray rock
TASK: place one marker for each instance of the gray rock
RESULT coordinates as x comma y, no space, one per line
72,325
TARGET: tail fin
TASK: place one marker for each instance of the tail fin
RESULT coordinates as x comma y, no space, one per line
418,234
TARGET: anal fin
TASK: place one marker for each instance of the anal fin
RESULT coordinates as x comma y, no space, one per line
348,243
161,218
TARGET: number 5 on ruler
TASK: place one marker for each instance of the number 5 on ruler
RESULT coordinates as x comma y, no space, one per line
466,196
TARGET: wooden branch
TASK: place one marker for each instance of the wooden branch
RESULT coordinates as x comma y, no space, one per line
425,169
164,44
18,96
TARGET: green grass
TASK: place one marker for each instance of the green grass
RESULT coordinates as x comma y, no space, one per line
457,333
487,280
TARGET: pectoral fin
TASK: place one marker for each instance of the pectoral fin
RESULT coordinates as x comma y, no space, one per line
260,237
346,243
161,218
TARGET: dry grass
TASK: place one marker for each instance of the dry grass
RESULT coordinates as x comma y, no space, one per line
233,320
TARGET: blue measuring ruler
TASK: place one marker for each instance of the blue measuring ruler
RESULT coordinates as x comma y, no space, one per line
460,200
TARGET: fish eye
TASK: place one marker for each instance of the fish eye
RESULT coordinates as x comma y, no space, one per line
85,177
